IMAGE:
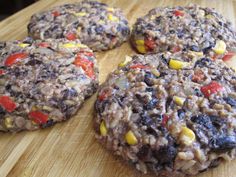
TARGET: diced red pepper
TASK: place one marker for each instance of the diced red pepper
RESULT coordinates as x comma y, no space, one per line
2,72
102,96
175,49
86,53
150,43
178,13
7,103
211,88
228,56
198,76
44,44
38,117
140,66
164,121
14,58
86,65
56,13
71,36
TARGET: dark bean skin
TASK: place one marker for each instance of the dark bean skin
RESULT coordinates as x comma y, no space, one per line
166,154
181,113
34,62
151,104
2,112
148,78
99,29
223,143
158,20
146,120
49,123
144,152
230,101
69,93
194,48
203,62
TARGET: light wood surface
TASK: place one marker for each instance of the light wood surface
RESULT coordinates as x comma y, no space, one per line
69,149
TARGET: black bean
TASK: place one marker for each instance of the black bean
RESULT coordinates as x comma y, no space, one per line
166,154
203,62
194,48
158,20
146,120
149,89
172,31
34,62
164,59
151,104
2,112
144,152
203,120
198,92
152,131
2,45
69,93
206,49
125,31
230,101
99,29
49,123
223,143
148,78
181,113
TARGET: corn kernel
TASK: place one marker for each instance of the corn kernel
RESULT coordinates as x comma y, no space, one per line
130,138
187,136
220,47
81,14
199,54
101,21
234,68
176,64
179,100
112,18
69,45
103,128
124,63
155,72
23,45
209,16
8,122
139,42
141,48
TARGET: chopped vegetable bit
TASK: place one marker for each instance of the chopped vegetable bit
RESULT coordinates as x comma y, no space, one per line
124,63
220,47
179,100
14,58
103,128
23,45
198,76
141,49
139,42
228,56
112,18
81,14
176,64
8,122
211,88
38,117
164,121
103,95
178,13
2,72
150,44
56,13
139,66
86,65
130,138
187,136
155,72
71,36
7,103
44,44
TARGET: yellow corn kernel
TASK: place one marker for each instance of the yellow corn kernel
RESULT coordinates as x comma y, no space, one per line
234,68
23,45
199,54
79,29
139,42
124,63
155,72
130,138
220,47
81,46
110,9
69,45
8,122
187,136
141,48
112,18
176,64
179,100
209,16
103,128
81,14
101,21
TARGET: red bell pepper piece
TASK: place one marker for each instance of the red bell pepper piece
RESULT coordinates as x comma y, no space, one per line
14,58
178,13
38,117
150,43
103,96
164,121
140,66
7,103
2,72
86,65
211,88
71,36
44,44
228,56
56,13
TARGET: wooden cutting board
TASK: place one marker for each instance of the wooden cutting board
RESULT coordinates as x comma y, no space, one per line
69,149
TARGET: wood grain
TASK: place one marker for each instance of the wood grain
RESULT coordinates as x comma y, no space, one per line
69,149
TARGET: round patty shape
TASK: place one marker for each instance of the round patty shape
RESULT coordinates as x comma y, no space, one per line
173,117
98,26
184,28
43,82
